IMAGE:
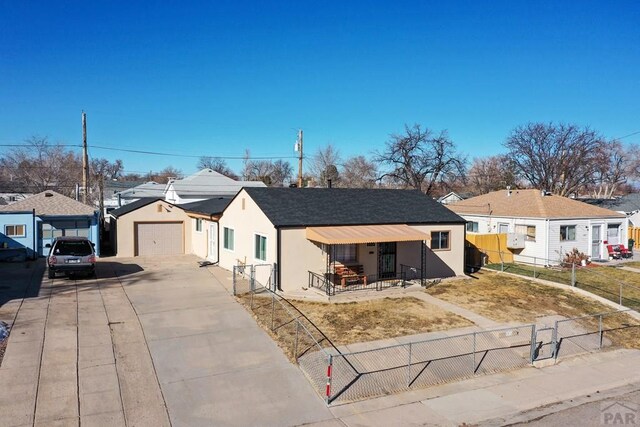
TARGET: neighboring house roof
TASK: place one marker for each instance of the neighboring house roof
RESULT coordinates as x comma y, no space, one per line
453,197
2,202
629,203
208,182
211,206
50,203
349,206
113,187
116,213
146,190
529,204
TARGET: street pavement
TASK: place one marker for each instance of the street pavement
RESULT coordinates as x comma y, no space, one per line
155,342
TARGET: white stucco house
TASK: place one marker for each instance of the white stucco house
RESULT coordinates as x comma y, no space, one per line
543,226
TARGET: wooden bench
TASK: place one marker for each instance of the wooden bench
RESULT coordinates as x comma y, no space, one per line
350,274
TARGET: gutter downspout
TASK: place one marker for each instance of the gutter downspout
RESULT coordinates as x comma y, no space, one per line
35,249
546,245
278,260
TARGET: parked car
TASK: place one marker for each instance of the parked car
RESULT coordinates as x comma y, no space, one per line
71,255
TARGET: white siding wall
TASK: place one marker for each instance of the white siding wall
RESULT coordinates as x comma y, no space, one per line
246,222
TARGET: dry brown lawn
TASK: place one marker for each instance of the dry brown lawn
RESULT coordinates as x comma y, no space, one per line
346,323
506,298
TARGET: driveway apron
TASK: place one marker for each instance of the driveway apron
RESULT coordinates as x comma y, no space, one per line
215,365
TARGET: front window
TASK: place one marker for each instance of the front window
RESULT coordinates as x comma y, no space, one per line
345,254
15,230
472,226
228,238
261,247
528,230
439,240
567,233
198,224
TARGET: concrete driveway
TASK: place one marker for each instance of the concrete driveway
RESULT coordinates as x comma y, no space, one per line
151,342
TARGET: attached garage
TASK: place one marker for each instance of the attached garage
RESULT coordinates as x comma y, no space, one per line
150,227
159,238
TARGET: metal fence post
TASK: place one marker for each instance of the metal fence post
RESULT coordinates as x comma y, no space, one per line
273,303
533,343
621,294
329,378
600,330
573,274
252,277
554,341
501,263
251,292
295,345
409,367
535,262
474,353
234,280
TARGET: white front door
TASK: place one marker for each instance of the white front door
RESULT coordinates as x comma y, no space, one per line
213,242
596,242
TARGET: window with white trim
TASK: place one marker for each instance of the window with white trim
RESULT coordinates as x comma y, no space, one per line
260,247
567,233
528,230
228,238
198,222
472,226
15,230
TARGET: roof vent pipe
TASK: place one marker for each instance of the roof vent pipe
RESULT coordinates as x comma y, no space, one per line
508,190
543,193
328,183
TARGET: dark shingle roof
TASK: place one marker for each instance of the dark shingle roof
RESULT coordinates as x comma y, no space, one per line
349,206
628,203
211,206
116,213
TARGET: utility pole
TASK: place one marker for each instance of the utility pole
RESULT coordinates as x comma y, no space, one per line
299,147
85,159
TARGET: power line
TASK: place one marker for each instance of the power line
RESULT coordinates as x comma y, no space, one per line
156,153
626,136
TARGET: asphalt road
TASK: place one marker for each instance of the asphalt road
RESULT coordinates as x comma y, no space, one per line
622,410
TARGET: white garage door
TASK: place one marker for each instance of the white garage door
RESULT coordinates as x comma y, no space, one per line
159,238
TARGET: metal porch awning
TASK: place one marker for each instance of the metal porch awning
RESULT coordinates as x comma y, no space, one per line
352,234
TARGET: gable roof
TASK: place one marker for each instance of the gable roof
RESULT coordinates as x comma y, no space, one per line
213,206
628,203
348,206
149,189
208,182
113,187
529,204
50,203
130,207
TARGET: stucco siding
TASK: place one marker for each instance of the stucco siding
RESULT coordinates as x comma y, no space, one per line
125,229
246,219
447,262
298,257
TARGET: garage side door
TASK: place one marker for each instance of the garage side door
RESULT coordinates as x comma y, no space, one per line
159,238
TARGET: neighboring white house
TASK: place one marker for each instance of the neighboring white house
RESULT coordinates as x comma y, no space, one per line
203,185
10,198
543,225
452,197
628,204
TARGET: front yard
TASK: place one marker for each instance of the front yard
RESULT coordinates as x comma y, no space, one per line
506,298
603,281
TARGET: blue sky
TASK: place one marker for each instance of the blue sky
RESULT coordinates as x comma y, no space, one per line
215,78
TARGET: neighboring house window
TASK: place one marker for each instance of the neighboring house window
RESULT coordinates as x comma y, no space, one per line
228,238
439,240
15,231
261,247
613,234
528,230
12,198
567,232
345,254
198,224
472,226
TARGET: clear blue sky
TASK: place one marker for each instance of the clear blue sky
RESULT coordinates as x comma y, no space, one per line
217,77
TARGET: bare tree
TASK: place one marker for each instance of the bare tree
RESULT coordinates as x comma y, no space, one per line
101,170
420,159
358,172
491,173
560,158
40,165
163,176
324,165
273,174
281,172
217,164
616,165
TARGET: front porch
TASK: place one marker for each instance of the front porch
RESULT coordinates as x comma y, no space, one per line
368,257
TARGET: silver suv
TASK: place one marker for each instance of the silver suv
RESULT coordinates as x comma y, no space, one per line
71,255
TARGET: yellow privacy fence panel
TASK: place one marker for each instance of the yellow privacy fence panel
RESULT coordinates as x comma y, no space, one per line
491,245
634,233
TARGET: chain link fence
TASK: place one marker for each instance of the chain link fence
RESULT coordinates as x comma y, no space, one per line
340,376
